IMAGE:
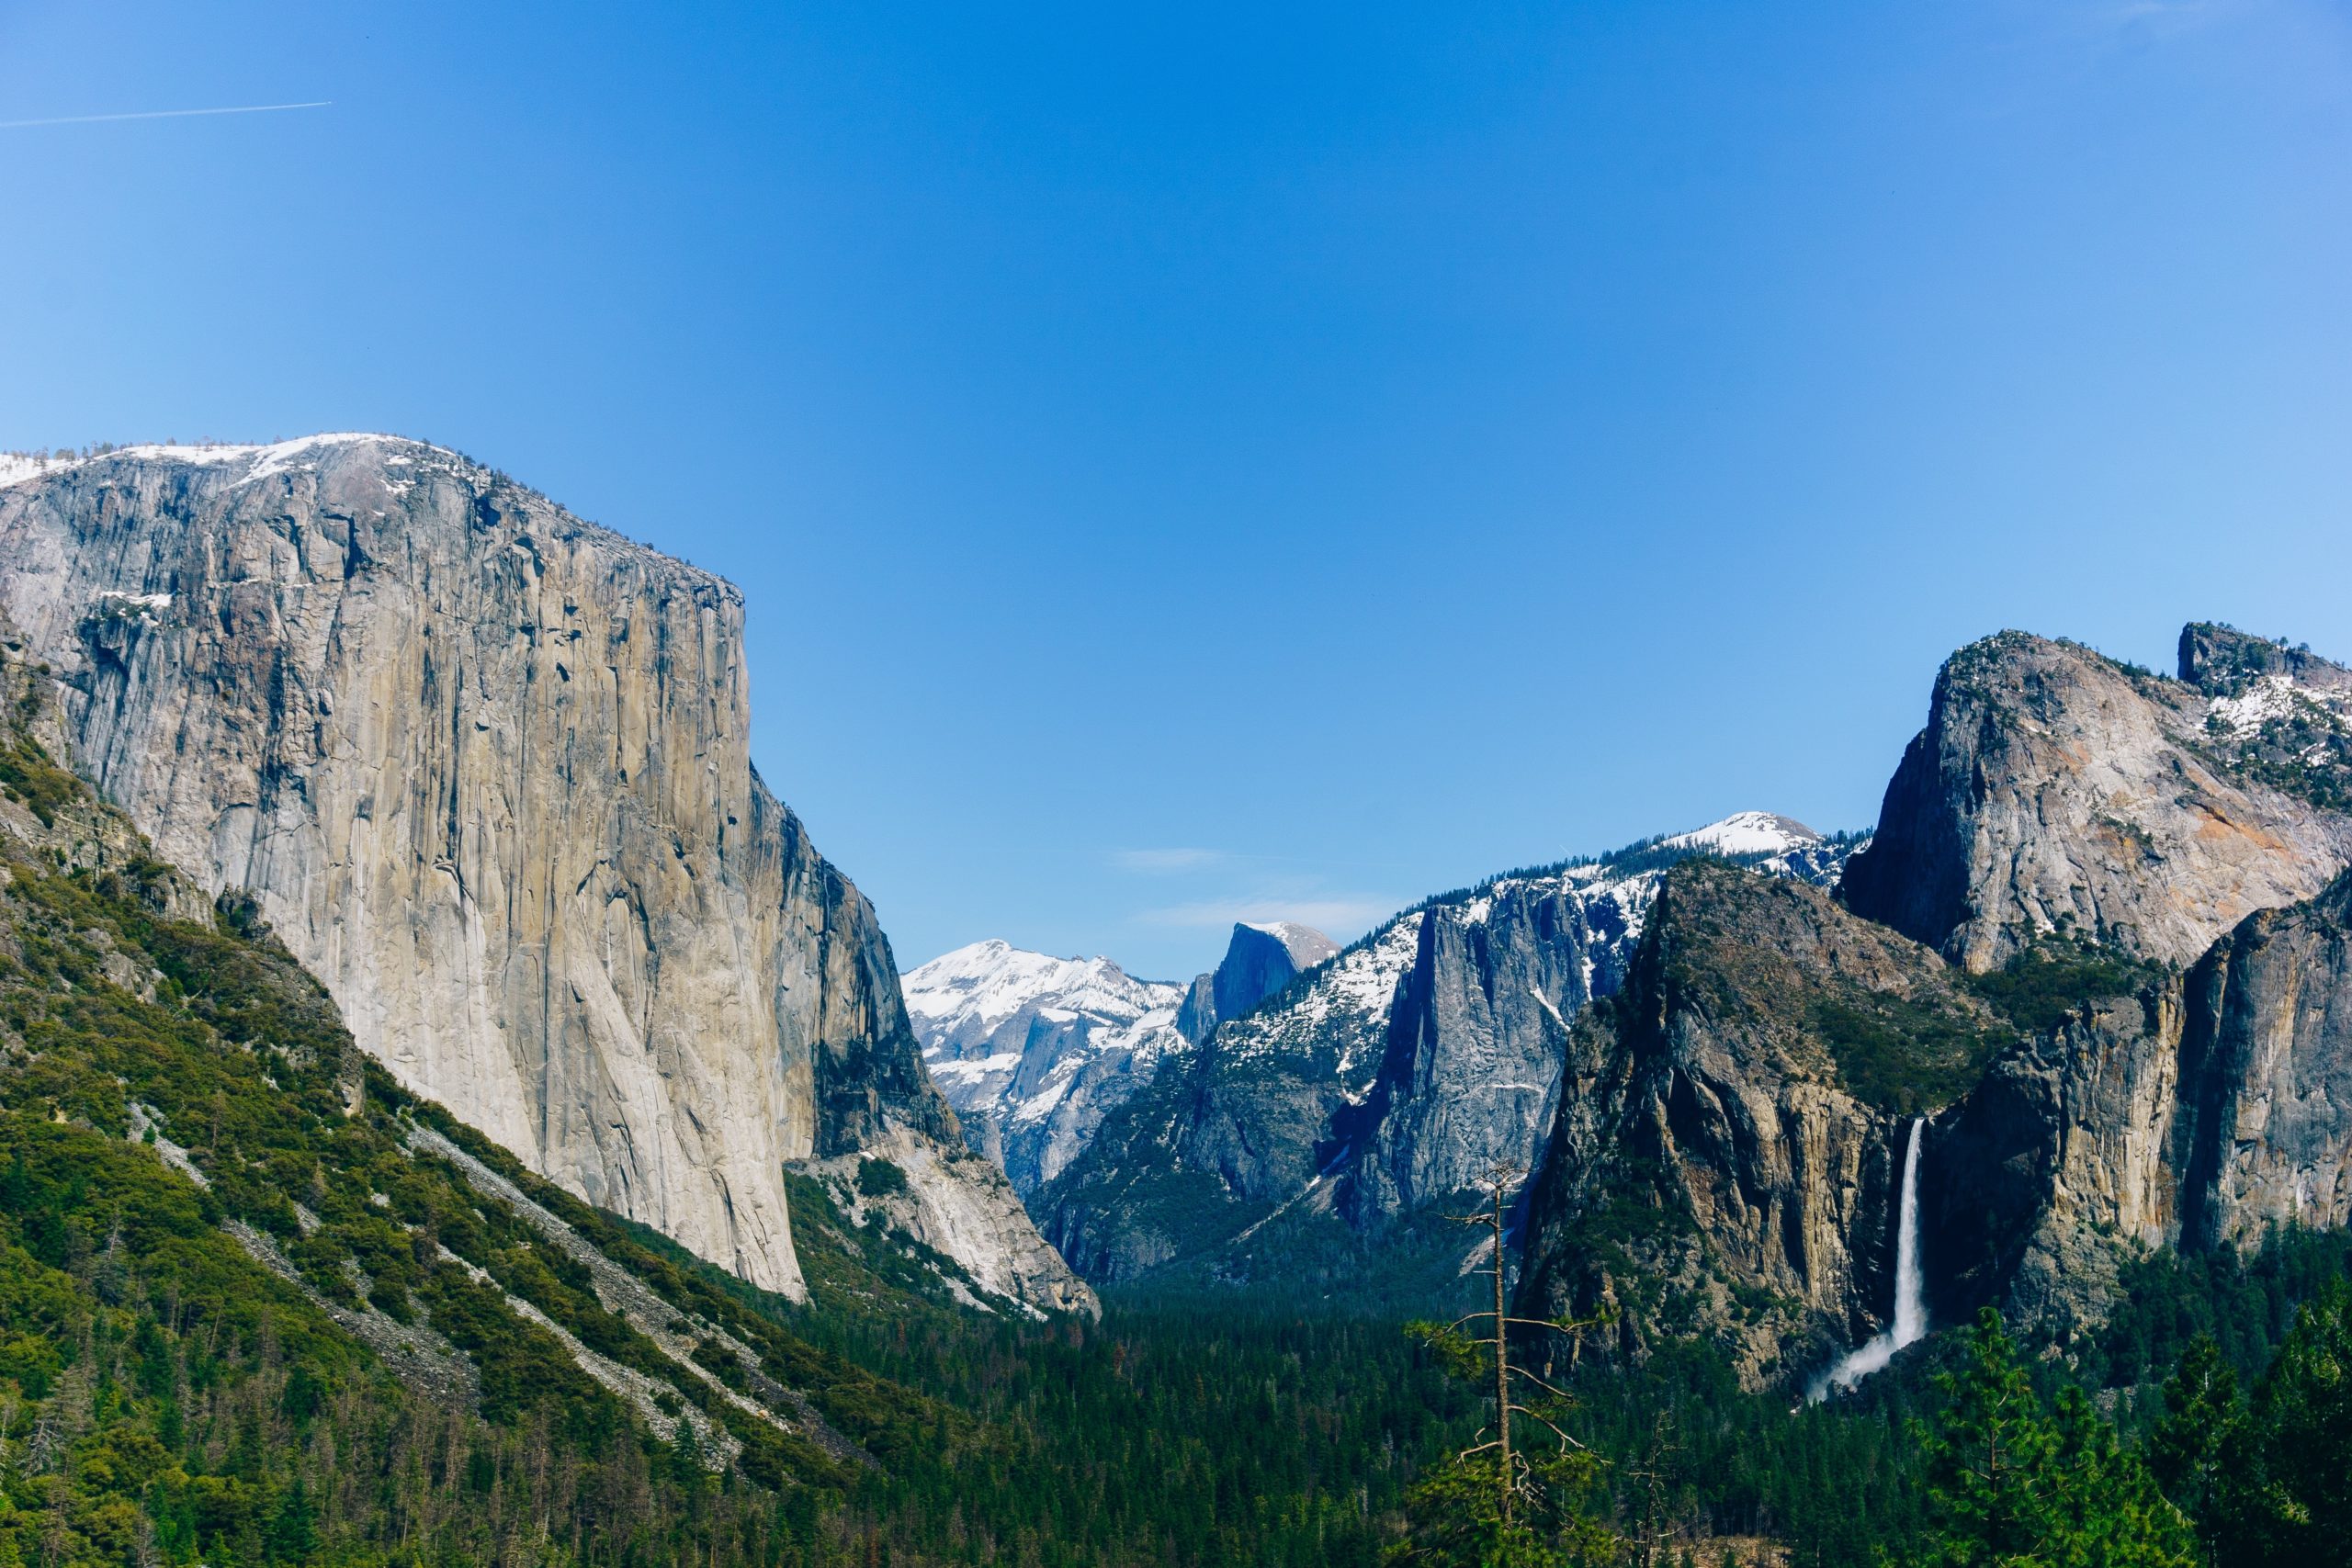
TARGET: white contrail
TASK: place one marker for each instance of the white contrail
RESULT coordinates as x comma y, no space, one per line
158,114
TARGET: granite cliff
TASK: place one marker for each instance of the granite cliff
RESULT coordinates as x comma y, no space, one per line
2194,1109
1729,1133
484,768
1258,960
2057,790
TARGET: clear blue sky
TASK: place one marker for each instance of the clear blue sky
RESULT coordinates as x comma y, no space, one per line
1263,460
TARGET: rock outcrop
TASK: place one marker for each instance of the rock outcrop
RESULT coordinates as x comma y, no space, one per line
2125,1027
1230,1131
2055,790
2191,1109
485,768
1258,961
1730,1129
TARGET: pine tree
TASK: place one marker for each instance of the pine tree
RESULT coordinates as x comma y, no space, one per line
2202,1416
2284,1486
1984,1459
2008,1485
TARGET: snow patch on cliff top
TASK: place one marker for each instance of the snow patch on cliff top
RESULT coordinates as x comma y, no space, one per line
2271,697
1307,947
265,460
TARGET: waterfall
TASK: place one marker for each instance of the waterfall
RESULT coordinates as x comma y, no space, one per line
1910,1289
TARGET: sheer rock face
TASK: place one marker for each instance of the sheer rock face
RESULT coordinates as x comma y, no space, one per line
1730,1127
2265,1131
1259,960
486,769
1714,1162
2196,1113
1476,1034
2054,789
1227,1133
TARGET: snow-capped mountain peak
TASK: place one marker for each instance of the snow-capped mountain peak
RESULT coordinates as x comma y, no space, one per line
963,996
1031,1049
1747,833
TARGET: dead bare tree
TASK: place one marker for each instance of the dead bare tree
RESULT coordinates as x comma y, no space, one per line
1516,1498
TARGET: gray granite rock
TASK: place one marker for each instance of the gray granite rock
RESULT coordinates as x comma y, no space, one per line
2055,790
485,767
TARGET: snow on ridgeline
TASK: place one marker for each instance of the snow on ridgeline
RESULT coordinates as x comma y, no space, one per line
1747,833
1031,1050
262,460
1342,1005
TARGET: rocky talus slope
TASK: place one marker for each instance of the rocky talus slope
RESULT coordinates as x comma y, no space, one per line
486,768
1379,1083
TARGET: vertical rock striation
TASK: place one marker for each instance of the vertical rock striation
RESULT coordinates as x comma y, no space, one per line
2196,1111
486,769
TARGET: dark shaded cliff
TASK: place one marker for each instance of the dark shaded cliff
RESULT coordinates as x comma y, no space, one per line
1730,1124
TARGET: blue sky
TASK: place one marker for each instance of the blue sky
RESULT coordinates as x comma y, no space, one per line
1212,461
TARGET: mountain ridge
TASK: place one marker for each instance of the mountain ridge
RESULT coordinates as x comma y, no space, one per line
1374,1083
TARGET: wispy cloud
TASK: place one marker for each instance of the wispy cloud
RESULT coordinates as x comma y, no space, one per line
1160,863
1337,914
160,114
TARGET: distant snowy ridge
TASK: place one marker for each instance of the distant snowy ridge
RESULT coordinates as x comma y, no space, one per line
1028,1048
1614,890
1748,833
1033,1052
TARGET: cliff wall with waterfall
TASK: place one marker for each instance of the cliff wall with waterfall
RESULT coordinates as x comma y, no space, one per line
1730,1141
2096,948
